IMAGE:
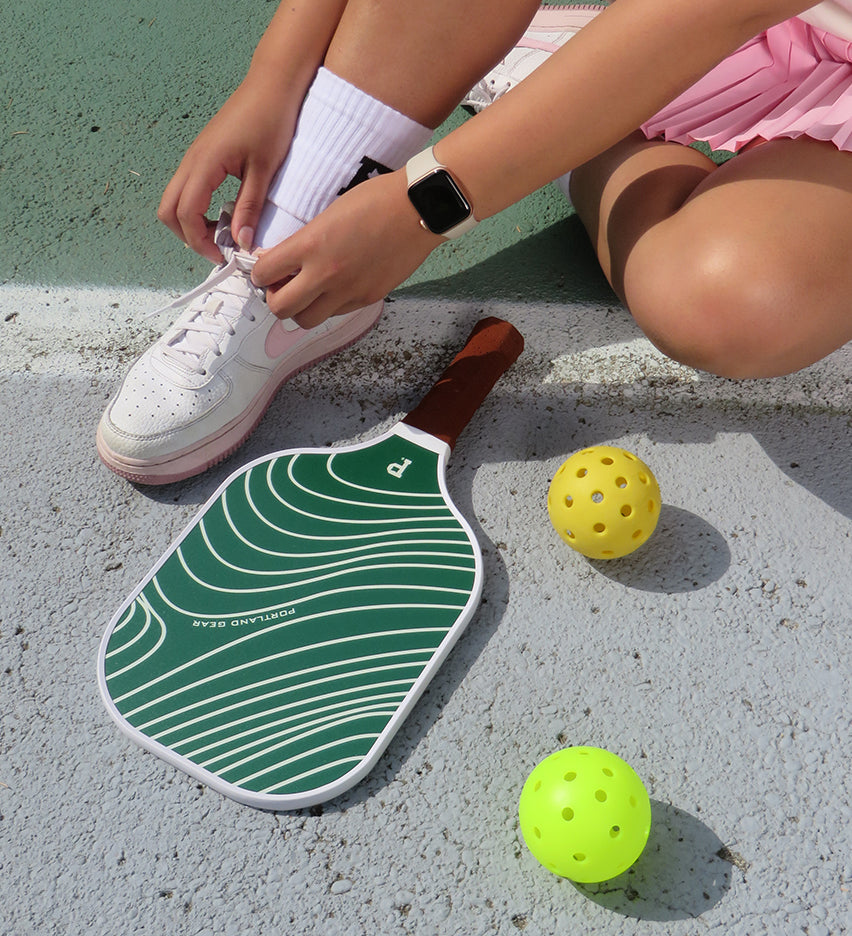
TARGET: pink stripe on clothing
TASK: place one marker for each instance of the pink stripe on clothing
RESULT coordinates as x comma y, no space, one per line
792,80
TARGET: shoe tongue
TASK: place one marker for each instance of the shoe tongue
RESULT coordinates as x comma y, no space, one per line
211,308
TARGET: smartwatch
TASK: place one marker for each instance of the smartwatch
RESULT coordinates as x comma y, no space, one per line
442,205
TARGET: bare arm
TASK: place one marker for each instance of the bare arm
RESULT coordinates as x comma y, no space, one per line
616,73
250,136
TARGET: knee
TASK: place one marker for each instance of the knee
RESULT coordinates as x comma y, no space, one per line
711,306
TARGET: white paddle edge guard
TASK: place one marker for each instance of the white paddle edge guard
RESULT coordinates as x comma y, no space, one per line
322,794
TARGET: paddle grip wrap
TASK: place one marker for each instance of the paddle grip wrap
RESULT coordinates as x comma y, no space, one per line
447,408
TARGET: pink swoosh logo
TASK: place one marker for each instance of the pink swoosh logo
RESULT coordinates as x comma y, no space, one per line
280,340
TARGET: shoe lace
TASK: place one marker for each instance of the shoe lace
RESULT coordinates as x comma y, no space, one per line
215,308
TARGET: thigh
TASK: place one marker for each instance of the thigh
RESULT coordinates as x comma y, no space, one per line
628,190
763,245
750,259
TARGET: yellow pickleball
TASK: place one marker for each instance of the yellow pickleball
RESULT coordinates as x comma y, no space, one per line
604,502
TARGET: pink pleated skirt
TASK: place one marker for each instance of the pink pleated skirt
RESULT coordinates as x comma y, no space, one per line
792,80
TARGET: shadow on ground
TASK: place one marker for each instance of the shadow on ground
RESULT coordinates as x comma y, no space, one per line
681,874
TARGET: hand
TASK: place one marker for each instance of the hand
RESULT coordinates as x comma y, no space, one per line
248,139
361,247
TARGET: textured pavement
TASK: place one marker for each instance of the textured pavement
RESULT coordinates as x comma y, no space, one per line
715,660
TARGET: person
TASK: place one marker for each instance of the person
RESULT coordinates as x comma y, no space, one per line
711,260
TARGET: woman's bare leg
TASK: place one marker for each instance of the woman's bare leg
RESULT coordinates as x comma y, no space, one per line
741,270
419,57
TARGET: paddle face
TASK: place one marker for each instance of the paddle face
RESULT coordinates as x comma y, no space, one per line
278,644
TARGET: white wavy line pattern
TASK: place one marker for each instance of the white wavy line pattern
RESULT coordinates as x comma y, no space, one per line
275,644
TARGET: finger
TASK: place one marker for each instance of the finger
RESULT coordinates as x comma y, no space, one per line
323,308
292,295
191,214
167,209
197,233
250,202
277,265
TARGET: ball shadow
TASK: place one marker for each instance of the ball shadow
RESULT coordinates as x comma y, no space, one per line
680,875
684,554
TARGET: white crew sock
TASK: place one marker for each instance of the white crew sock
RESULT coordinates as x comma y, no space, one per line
342,137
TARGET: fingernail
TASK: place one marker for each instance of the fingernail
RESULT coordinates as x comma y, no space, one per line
245,238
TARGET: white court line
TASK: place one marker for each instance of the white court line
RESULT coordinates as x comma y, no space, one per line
81,331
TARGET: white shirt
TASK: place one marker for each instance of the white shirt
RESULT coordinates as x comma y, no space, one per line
834,16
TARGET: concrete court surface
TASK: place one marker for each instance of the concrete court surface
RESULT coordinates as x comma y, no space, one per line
715,660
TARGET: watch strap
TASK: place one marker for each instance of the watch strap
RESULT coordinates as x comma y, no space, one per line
420,166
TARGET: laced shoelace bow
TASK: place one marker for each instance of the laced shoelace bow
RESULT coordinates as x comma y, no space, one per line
217,303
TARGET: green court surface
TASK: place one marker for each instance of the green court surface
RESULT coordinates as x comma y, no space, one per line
99,104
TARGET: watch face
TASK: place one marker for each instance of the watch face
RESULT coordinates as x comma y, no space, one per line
439,201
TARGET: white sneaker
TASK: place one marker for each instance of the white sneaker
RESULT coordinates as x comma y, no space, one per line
197,394
549,30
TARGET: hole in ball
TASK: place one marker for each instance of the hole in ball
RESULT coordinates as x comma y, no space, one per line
597,497
569,500
536,832
651,506
582,472
571,775
613,832
578,856
607,772
600,796
606,461
637,534
632,801
599,527
537,786
621,482
643,477
569,534
626,510
567,813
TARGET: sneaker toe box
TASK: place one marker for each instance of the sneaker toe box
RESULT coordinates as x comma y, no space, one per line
149,417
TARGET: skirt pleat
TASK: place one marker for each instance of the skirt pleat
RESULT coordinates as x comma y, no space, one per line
792,80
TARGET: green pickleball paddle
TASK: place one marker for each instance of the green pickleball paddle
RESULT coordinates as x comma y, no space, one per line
277,646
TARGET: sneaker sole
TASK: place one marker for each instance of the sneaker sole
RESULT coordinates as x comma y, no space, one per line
192,461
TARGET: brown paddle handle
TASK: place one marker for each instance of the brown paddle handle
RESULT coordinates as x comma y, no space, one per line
447,408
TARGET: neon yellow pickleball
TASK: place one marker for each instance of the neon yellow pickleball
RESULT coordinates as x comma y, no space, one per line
585,814
604,502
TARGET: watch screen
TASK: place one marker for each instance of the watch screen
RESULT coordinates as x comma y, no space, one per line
439,201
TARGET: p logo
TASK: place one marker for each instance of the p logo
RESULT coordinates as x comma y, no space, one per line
396,469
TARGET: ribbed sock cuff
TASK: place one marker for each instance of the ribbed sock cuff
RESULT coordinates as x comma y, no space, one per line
343,136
